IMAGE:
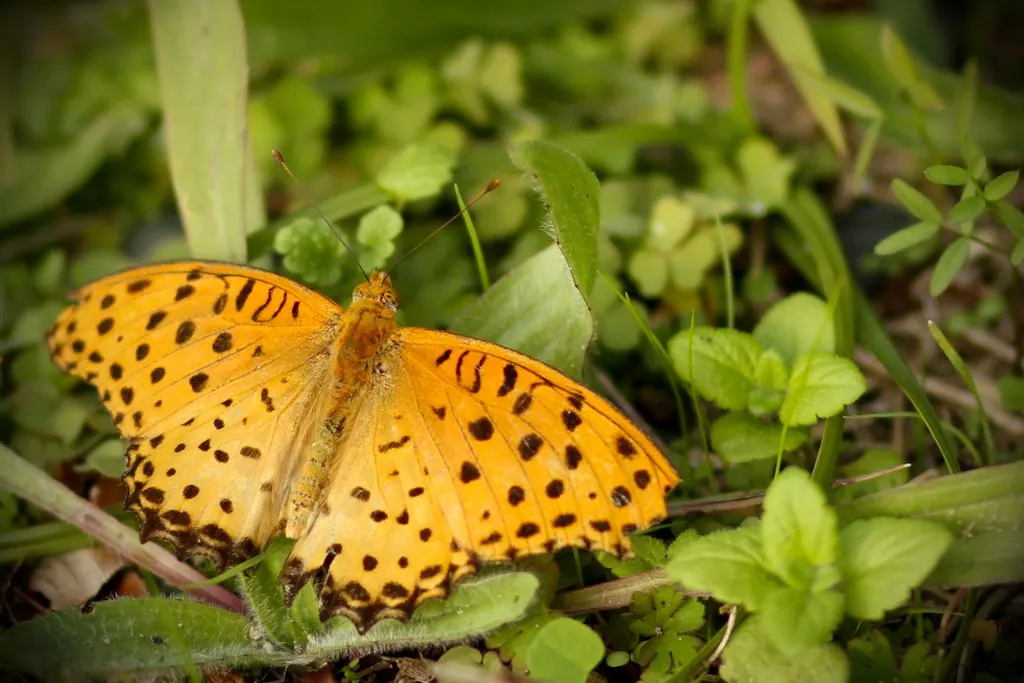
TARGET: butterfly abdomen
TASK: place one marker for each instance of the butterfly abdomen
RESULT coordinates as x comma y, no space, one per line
365,327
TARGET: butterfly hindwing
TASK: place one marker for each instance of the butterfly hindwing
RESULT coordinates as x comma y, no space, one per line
462,451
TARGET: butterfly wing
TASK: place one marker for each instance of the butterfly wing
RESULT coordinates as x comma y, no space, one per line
211,370
464,451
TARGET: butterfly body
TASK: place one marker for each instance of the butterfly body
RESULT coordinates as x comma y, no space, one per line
399,459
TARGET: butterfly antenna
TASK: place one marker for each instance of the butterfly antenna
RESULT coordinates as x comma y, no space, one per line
279,158
491,187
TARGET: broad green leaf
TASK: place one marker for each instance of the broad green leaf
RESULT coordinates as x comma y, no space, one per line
379,226
766,173
783,25
670,223
796,325
107,458
751,657
796,619
906,238
741,437
1011,391
724,362
949,265
564,650
127,636
417,172
691,260
649,270
966,210
820,386
771,378
1017,255
915,202
572,196
728,564
31,325
200,50
999,187
537,310
947,175
312,251
882,559
798,527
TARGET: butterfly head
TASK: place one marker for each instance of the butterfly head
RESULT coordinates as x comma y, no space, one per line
377,288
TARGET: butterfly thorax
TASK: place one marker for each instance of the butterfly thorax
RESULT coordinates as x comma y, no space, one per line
365,327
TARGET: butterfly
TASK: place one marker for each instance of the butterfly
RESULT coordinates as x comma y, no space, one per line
397,458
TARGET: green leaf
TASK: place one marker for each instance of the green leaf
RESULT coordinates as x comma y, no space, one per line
906,238
901,66
572,195
947,175
649,270
798,527
671,222
982,500
728,564
984,559
1017,255
966,210
564,650
379,227
311,250
949,265
855,101
31,325
771,377
796,619
417,172
1011,391
882,559
795,326
107,458
915,202
751,657
125,636
521,309
872,460
724,363
200,50
741,437
1001,186
820,386
766,174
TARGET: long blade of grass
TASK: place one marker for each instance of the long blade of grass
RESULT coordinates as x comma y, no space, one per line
201,62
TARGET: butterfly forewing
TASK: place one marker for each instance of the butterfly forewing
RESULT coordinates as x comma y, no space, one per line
211,370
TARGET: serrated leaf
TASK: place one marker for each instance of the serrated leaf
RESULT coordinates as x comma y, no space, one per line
949,264
915,202
999,187
572,196
798,527
724,362
417,172
751,657
906,238
883,558
796,325
728,564
311,250
947,175
820,386
966,210
741,437
796,619
564,650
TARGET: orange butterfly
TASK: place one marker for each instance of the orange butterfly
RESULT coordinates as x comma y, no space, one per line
397,458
